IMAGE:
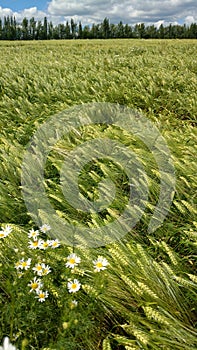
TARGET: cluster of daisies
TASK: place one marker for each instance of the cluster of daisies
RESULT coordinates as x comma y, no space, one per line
38,243
73,260
41,269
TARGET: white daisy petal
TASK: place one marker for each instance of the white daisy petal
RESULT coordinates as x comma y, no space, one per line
42,295
100,264
35,285
44,228
73,260
73,286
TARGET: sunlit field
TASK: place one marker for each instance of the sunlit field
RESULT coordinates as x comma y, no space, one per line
138,292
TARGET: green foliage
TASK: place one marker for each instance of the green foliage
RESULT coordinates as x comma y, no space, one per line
146,298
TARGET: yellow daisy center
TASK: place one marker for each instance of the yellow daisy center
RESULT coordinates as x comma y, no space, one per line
39,267
72,261
41,295
99,264
74,286
24,263
34,285
35,244
2,234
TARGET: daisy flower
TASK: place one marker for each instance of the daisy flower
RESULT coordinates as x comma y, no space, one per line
35,244
54,243
45,269
73,303
5,231
20,274
24,265
44,228
42,295
45,244
18,265
73,286
38,269
73,260
3,234
100,263
7,345
35,285
33,234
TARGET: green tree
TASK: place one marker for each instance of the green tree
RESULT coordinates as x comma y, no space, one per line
120,30
106,28
38,34
1,29
161,32
50,30
67,31
80,31
45,29
73,26
86,32
128,33
32,28
25,31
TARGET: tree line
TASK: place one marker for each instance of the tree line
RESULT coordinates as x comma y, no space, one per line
45,30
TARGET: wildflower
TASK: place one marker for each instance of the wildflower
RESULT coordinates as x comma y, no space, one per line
2,234
35,244
65,325
45,244
33,234
44,228
73,304
35,284
41,269
73,286
38,269
54,243
7,345
18,265
20,274
24,264
100,263
46,269
42,295
73,260
5,231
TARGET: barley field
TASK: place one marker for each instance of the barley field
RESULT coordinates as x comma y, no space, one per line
138,292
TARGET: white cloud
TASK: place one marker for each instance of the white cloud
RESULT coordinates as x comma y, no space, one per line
5,12
29,13
191,19
128,11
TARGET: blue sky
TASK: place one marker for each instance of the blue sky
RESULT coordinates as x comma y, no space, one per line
19,5
94,11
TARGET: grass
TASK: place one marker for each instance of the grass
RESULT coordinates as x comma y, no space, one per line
146,298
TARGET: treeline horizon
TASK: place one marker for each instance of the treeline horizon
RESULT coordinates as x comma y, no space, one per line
30,29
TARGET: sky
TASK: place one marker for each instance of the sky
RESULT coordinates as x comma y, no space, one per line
94,11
